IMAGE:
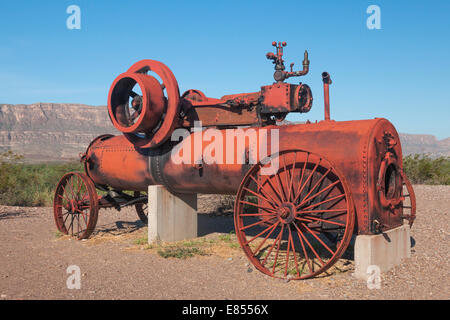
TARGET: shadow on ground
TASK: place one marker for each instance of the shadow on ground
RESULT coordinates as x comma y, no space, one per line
14,214
212,223
118,228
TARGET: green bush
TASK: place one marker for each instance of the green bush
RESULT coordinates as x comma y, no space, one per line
422,169
24,184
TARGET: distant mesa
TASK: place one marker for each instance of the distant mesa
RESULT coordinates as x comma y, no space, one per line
46,132
417,143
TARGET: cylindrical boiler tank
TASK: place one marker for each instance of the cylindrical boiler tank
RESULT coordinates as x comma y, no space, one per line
367,152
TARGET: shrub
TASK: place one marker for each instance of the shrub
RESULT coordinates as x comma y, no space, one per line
34,184
30,184
422,169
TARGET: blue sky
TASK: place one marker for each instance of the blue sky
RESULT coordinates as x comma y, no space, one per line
400,72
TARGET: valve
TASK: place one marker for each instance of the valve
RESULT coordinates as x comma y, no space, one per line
277,59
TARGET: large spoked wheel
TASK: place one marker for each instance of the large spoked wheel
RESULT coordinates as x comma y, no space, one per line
141,209
75,205
294,222
409,200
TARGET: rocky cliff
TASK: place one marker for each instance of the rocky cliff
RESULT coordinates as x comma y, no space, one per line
51,131
60,131
425,143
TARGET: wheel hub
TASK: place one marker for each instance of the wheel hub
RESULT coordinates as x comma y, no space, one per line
72,206
286,212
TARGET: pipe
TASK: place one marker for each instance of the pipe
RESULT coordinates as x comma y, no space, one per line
300,73
326,93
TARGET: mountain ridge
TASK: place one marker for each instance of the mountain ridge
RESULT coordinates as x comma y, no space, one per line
45,132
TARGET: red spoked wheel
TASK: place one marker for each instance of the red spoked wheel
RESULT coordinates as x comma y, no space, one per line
141,209
295,222
409,206
75,205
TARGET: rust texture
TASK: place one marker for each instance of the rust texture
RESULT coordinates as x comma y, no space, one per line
333,179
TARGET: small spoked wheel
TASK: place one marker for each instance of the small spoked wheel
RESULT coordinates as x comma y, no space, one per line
409,200
141,209
75,205
296,221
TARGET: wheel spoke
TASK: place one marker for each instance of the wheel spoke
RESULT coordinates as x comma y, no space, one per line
71,224
259,196
261,188
307,180
316,211
278,249
72,187
322,202
78,224
68,215
277,192
306,199
287,253
286,177
308,221
297,194
310,246
85,195
64,193
256,223
79,185
271,248
318,239
292,175
82,213
266,237
293,252
317,183
324,220
257,205
304,249
258,235
278,180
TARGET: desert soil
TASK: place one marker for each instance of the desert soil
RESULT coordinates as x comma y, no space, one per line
116,264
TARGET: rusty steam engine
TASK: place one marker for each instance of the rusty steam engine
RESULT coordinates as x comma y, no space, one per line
302,190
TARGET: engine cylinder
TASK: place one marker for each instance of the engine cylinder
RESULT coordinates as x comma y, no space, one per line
146,114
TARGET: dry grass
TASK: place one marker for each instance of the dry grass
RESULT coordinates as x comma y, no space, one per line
221,245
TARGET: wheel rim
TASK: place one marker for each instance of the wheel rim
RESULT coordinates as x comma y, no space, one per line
409,206
298,221
75,205
141,209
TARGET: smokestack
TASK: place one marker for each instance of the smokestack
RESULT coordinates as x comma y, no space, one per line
326,93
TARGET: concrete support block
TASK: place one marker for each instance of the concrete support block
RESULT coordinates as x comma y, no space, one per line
383,250
171,217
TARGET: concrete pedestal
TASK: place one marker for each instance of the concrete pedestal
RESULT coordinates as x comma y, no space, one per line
171,217
383,250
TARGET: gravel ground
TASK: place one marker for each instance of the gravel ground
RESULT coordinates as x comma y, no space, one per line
34,260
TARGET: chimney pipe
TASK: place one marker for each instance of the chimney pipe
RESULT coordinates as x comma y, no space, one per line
326,93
